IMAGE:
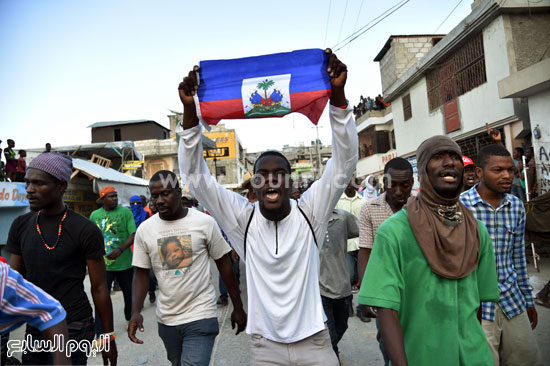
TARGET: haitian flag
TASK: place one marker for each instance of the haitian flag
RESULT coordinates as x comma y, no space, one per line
264,86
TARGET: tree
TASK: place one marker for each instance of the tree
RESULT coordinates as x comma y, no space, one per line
265,85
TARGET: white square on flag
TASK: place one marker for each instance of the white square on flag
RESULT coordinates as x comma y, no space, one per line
266,96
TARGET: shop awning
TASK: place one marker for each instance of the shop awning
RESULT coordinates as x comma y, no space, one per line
125,185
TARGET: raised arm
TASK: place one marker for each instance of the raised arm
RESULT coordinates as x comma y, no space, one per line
229,208
321,198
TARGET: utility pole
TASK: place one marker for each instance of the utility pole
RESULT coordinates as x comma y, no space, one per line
215,152
318,172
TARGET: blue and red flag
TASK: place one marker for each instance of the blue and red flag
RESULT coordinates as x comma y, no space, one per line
264,86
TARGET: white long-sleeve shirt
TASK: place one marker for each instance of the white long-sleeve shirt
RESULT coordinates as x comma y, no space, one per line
282,259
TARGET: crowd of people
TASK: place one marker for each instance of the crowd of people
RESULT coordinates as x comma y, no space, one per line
13,169
442,270
369,104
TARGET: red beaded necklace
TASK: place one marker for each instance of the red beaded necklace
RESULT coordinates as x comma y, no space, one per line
58,230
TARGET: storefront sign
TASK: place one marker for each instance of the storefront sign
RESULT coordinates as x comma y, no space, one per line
13,195
132,164
388,157
225,143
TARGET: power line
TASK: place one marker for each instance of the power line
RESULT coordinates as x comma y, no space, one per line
357,20
358,14
343,19
447,17
328,18
366,27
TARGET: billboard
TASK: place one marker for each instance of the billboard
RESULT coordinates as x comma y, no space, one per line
225,145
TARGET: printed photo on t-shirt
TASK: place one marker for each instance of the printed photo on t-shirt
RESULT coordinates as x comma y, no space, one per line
175,251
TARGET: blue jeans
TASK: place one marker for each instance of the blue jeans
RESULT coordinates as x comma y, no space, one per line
78,331
235,266
190,344
337,312
124,279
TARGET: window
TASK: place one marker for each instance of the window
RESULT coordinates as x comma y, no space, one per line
462,71
220,171
407,111
117,134
470,146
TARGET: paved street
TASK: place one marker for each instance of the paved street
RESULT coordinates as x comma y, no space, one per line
358,347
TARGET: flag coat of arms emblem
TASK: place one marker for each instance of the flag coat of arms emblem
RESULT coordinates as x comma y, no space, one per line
264,86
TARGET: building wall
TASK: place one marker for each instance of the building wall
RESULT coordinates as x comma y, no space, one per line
476,107
387,67
374,164
156,163
423,124
531,34
132,132
483,104
403,54
158,155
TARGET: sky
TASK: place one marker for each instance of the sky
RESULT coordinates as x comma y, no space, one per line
66,64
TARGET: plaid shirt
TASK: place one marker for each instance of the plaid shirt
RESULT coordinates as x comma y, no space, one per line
373,213
506,226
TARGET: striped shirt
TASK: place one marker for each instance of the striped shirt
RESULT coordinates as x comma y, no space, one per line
506,226
21,302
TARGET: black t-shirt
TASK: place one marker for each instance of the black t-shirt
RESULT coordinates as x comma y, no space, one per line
61,271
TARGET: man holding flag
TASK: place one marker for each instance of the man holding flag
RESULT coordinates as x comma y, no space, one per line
278,238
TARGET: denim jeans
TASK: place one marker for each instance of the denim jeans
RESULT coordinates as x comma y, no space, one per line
78,331
124,279
337,312
189,344
236,270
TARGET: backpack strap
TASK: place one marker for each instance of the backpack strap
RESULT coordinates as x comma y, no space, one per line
309,224
246,230
252,215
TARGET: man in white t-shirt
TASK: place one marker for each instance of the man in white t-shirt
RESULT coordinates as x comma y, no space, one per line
277,237
177,245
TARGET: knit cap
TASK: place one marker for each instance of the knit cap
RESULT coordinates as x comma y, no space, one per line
57,165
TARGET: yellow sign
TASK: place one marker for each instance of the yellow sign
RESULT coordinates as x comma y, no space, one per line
225,146
81,201
132,164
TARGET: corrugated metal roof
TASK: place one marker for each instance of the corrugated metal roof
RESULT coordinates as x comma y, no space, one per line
108,174
129,122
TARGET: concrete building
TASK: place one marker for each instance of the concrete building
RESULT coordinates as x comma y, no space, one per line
453,89
227,160
533,83
376,142
134,130
307,161
162,154
401,52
